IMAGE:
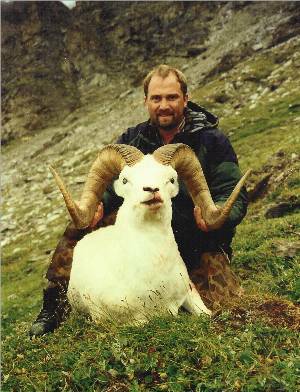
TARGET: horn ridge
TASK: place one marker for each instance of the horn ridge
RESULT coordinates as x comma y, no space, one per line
183,159
110,161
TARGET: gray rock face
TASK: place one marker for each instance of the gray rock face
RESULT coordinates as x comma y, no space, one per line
55,60
38,86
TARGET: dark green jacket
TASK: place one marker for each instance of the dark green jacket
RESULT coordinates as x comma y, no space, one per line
220,167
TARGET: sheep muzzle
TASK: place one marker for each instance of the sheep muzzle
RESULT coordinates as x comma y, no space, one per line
155,202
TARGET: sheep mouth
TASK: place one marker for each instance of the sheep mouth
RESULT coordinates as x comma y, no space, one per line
154,203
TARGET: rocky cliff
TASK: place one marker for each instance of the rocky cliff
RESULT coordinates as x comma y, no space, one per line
55,60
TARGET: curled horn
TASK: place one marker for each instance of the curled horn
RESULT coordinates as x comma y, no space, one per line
108,164
182,158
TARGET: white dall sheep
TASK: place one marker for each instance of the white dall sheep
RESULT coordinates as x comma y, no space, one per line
134,268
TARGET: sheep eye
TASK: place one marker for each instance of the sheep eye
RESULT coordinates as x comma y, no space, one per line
125,181
172,180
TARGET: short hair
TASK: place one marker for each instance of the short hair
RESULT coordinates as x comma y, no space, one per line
163,71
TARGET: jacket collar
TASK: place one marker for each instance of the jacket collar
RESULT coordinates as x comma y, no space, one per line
196,118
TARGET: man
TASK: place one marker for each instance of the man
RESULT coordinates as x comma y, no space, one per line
173,119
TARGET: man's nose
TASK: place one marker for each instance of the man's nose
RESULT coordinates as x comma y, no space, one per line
164,104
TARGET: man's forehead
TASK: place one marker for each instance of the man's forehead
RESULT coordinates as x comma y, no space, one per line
158,83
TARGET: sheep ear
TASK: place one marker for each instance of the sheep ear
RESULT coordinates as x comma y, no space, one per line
117,187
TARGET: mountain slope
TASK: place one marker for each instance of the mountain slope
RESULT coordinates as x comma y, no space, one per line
253,345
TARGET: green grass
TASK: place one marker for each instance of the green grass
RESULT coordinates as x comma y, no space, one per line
258,258
253,345
186,353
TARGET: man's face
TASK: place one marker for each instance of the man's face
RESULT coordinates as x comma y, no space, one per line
165,102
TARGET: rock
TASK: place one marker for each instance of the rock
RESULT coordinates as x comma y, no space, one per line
6,241
294,106
99,80
281,209
287,249
287,63
257,47
221,97
254,97
265,91
73,161
48,189
125,94
16,250
259,188
80,180
274,86
280,177
6,226
52,216
41,229
280,153
195,50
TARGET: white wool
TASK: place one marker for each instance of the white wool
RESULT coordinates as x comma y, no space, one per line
134,268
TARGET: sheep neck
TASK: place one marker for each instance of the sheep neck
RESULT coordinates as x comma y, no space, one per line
149,222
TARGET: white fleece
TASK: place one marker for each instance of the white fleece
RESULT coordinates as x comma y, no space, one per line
134,268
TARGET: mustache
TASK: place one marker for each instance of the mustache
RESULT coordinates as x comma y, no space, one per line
165,112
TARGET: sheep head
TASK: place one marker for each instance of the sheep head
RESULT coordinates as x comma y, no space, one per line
147,188
146,183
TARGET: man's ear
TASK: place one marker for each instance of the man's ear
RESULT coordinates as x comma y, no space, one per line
186,98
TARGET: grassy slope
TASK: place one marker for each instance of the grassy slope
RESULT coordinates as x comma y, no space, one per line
251,347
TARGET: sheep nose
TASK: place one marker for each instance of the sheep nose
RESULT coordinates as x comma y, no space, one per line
149,189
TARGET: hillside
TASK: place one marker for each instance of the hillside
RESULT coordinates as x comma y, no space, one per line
55,60
242,61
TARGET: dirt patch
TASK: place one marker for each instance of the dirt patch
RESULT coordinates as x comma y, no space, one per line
280,313
271,311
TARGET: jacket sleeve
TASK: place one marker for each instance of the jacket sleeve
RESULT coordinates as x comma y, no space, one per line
223,175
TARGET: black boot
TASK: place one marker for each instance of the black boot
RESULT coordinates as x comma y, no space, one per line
55,309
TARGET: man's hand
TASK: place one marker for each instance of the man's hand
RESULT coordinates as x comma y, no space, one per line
199,220
98,216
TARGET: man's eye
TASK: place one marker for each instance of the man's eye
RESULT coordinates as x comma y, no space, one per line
155,99
125,180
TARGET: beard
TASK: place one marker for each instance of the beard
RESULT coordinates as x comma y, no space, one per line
169,125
